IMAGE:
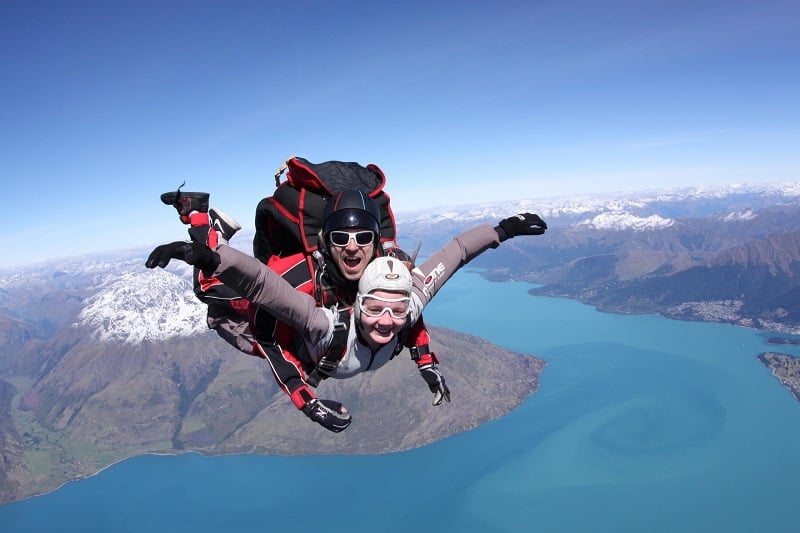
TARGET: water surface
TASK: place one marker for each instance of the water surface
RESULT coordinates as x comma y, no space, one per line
641,423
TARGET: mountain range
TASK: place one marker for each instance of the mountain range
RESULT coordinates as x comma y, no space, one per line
101,359
726,255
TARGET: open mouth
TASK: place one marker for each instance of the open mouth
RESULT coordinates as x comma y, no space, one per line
352,262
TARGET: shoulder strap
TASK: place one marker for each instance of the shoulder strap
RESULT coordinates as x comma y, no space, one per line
325,293
327,364
402,337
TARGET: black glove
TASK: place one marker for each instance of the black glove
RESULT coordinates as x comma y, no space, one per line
194,253
523,224
435,380
329,414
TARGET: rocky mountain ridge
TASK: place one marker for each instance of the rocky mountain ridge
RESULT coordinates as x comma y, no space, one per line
736,262
741,271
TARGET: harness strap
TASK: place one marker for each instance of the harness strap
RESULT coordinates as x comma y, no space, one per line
402,336
330,360
278,174
419,351
422,355
324,292
318,292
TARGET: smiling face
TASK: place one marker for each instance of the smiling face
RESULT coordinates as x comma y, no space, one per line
352,258
391,308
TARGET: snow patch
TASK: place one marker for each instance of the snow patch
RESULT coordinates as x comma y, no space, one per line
737,216
620,220
143,306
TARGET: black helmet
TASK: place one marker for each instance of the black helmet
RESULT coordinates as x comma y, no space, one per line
351,209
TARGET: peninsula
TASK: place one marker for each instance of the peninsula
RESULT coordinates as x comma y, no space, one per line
786,368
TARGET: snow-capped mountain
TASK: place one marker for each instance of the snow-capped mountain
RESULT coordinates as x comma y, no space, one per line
117,299
136,371
745,214
133,307
617,220
621,211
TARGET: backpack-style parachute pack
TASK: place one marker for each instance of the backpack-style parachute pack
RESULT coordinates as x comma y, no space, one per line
289,221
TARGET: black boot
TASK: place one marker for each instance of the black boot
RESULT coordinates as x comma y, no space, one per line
186,202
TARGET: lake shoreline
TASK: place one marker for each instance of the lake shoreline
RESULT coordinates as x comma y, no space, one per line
786,368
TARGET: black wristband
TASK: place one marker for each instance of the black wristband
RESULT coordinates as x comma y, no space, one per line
501,233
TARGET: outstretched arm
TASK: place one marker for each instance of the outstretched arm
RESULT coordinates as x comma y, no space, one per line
254,281
432,274
265,288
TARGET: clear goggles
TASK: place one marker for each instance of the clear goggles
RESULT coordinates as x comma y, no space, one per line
342,238
374,306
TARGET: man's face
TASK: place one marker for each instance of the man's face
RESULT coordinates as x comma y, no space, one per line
352,258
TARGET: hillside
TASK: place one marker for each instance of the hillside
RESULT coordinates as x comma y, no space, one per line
137,372
786,368
741,268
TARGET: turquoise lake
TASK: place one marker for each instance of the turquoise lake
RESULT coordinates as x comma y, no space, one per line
640,424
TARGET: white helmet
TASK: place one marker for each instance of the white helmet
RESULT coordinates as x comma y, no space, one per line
383,274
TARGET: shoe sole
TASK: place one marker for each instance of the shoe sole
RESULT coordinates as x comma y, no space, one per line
227,225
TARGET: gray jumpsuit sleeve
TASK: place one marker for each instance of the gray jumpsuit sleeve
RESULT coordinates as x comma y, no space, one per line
254,281
434,272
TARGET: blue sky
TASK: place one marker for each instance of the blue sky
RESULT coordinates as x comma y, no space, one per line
105,105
